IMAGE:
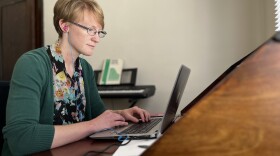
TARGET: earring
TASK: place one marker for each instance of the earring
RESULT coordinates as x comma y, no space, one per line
65,28
57,47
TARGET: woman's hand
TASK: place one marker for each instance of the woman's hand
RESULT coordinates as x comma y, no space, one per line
108,119
134,114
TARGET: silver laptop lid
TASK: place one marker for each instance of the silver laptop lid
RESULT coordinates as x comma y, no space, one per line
175,98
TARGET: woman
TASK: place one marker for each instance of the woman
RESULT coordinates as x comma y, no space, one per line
53,98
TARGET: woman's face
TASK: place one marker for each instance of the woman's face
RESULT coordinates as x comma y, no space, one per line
78,38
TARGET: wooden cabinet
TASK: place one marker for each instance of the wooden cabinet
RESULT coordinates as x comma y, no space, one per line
21,29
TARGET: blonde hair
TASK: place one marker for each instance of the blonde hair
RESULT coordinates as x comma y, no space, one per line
70,10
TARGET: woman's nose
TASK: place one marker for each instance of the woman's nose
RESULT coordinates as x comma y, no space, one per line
95,38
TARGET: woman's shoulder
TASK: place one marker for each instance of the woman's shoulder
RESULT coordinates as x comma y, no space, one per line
42,52
36,57
39,54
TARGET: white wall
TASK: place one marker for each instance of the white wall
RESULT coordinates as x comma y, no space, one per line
157,36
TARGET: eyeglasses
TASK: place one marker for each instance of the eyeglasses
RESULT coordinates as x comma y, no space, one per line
91,31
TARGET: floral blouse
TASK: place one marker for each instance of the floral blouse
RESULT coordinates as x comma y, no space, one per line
69,99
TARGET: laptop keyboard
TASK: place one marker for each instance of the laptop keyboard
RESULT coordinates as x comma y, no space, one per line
142,127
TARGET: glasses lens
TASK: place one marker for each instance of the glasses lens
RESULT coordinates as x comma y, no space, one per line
91,31
102,34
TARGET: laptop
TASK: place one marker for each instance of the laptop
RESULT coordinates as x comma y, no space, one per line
157,125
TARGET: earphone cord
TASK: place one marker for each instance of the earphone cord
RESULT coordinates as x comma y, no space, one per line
71,53
120,138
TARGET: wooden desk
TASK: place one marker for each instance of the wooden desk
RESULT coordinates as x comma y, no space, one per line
239,116
80,148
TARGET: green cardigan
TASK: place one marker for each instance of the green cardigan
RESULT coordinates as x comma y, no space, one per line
30,107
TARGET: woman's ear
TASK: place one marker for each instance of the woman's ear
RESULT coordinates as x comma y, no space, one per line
63,25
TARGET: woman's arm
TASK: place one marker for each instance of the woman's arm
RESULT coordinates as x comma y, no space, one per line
27,130
65,134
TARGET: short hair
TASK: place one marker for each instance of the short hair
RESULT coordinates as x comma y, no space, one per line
70,10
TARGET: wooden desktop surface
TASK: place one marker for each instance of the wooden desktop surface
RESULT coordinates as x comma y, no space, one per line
82,148
239,116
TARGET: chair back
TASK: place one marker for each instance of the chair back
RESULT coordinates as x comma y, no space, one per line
4,92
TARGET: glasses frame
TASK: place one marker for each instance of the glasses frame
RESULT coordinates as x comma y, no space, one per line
101,33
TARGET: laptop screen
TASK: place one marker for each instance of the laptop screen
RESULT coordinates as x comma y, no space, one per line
175,97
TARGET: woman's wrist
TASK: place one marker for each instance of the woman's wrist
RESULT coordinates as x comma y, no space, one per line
118,111
93,127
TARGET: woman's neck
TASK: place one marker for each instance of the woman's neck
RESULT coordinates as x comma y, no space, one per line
69,56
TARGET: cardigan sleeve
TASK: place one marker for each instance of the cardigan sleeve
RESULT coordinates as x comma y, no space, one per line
23,133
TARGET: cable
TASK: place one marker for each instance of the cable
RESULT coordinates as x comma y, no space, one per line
122,138
105,149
